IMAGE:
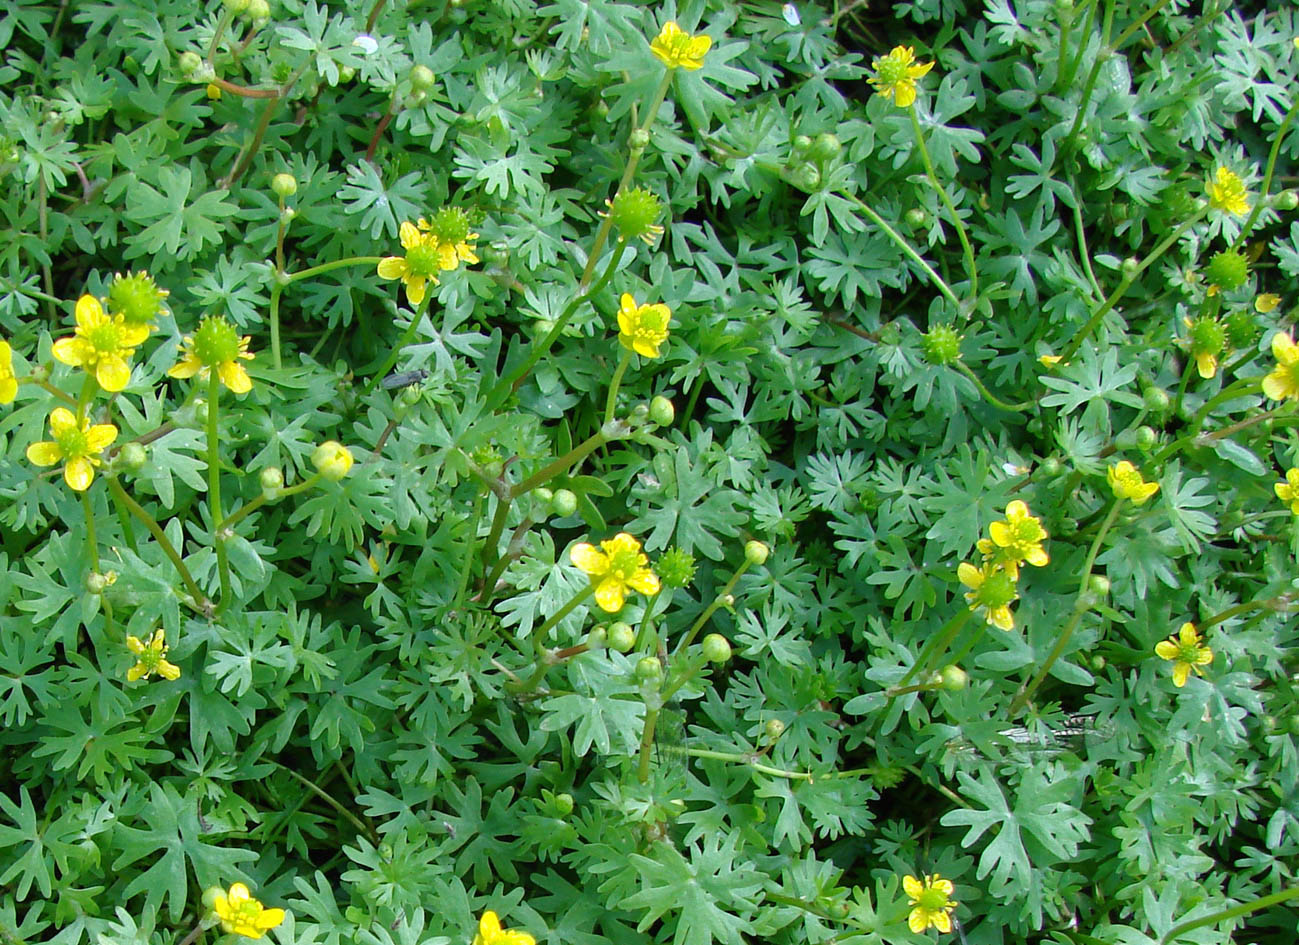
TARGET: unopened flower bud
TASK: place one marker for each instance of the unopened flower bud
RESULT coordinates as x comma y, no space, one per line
332,460
564,502
284,185
543,495
564,804
774,729
1130,268
259,10
132,457
755,552
1099,585
1147,438
916,217
1156,399
806,177
1051,466
1286,200
1097,662
213,92
662,412
649,669
96,582
272,481
621,637
638,140
825,147
953,678
422,78
716,648
802,144
597,638
189,62
236,6
210,897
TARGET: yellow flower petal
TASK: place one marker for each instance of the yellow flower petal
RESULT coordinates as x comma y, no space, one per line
135,672
969,575
99,436
392,267
588,558
410,235
187,366
113,373
912,886
1180,673
171,671
609,595
69,351
78,474
415,289
1167,649
8,389
906,94
44,454
134,645
89,311
234,377
1284,350
645,581
61,421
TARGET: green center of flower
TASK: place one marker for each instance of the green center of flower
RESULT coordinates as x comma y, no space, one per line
1207,336
246,912
634,212
450,225
151,657
72,442
1187,652
932,900
997,590
1025,534
216,342
423,259
624,564
105,338
890,70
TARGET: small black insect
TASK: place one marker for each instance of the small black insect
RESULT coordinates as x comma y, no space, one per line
403,379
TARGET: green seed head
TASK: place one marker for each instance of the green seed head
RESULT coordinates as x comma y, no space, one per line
1228,270
1242,333
635,213
136,297
216,341
676,568
941,346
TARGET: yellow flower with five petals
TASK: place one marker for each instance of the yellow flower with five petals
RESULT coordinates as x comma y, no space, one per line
76,443
243,915
217,345
1288,491
619,567
491,933
151,657
423,261
931,902
1226,191
1283,382
1015,540
677,49
992,590
642,328
1185,652
895,75
102,344
1126,483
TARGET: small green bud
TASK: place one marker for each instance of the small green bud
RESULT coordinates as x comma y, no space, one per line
1269,723
1063,8
210,897
1147,438
236,6
1051,467
346,74
1129,268
132,457
422,78
1228,270
941,346
1156,400
662,412
272,480
755,552
1097,663
638,140
564,804
716,648
916,217
410,396
284,185
953,678
260,11
1099,585
774,729
189,62
1286,200
543,495
541,327
564,502
96,582
621,636
597,638
1292,724
806,177
802,144
649,669
332,460
826,147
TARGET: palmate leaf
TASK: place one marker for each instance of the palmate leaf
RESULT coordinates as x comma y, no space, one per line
172,826
175,225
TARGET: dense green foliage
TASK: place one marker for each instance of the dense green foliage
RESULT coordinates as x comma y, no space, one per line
399,701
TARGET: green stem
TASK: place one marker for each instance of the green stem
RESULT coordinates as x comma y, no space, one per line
947,202
903,245
574,456
1080,607
1062,56
92,546
277,289
1223,914
936,644
614,384
214,486
320,793
198,601
331,266
1103,53
545,658
1079,231
124,519
406,337
1123,285
263,122
1181,387
284,279
646,743
745,759
989,396
1279,602
1267,175
49,388
222,24
466,563
1083,38
708,612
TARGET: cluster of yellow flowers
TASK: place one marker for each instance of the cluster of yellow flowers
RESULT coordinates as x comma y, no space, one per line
1011,542
432,247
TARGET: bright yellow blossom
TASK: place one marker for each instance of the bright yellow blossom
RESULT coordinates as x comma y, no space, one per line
642,328
491,933
243,915
455,244
8,383
151,657
992,589
1283,382
896,74
216,344
1226,191
677,49
931,902
1017,539
102,344
619,567
1266,302
1186,653
1127,483
1288,491
76,443
423,261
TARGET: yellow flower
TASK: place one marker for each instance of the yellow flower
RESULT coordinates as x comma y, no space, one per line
101,345
332,460
216,344
1208,339
1283,382
1127,483
615,569
896,74
75,442
243,915
992,589
1288,491
1017,539
421,264
455,244
152,658
677,49
8,383
1266,302
1226,191
642,328
1186,653
1049,360
491,933
931,902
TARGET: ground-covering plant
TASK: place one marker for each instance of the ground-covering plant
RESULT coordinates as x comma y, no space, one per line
571,471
